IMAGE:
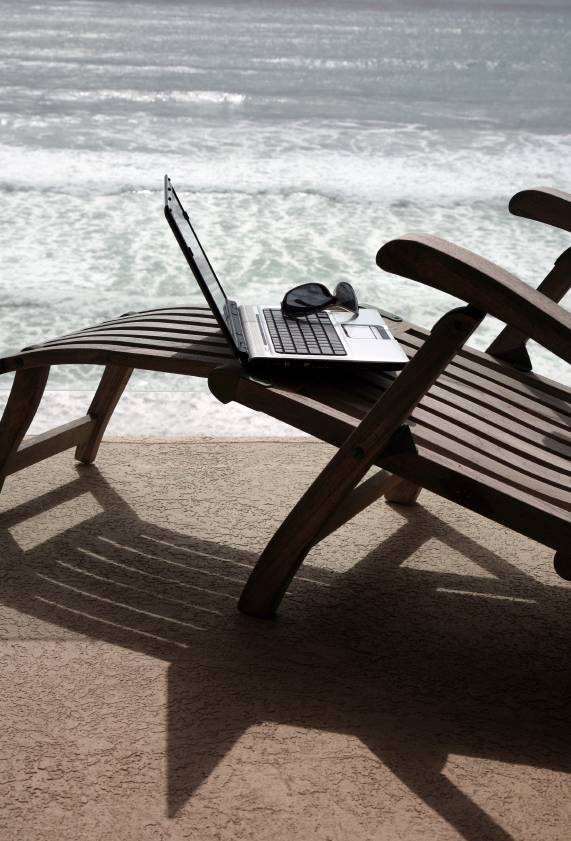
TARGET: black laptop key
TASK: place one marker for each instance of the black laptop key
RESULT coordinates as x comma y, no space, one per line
312,335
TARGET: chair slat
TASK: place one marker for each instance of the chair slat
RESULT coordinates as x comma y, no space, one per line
147,338
166,319
501,427
494,460
533,406
179,326
188,345
191,324
527,386
541,448
203,310
191,362
533,450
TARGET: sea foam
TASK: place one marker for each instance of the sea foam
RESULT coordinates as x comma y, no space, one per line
300,140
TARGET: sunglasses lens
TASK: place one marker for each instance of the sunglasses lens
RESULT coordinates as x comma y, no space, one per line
345,295
308,298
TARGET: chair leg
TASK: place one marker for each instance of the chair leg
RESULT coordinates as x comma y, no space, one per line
275,569
562,565
405,493
110,389
287,549
19,413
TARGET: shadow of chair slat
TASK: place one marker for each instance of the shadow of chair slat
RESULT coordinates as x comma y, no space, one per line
401,663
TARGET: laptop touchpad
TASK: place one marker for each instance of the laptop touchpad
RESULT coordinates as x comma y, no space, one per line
360,331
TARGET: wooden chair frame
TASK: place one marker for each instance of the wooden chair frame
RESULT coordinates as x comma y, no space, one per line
540,512
369,416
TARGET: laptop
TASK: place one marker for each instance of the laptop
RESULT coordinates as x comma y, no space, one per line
262,337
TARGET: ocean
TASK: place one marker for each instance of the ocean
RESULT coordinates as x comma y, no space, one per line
301,136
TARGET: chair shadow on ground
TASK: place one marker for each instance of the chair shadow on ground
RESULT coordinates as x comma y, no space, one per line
393,655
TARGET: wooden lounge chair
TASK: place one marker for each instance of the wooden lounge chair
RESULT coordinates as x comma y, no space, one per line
479,430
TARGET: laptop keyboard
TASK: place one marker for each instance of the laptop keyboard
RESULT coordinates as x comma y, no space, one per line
309,335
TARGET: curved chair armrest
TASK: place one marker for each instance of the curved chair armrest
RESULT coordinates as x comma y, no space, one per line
473,279
544,204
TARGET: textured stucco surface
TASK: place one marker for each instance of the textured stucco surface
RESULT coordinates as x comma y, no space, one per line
414,686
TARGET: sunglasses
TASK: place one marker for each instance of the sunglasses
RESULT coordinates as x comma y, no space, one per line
314,297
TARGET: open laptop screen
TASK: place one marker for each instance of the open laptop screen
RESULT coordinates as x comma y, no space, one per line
186,230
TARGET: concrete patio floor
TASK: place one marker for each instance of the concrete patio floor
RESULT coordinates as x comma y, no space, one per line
415,684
